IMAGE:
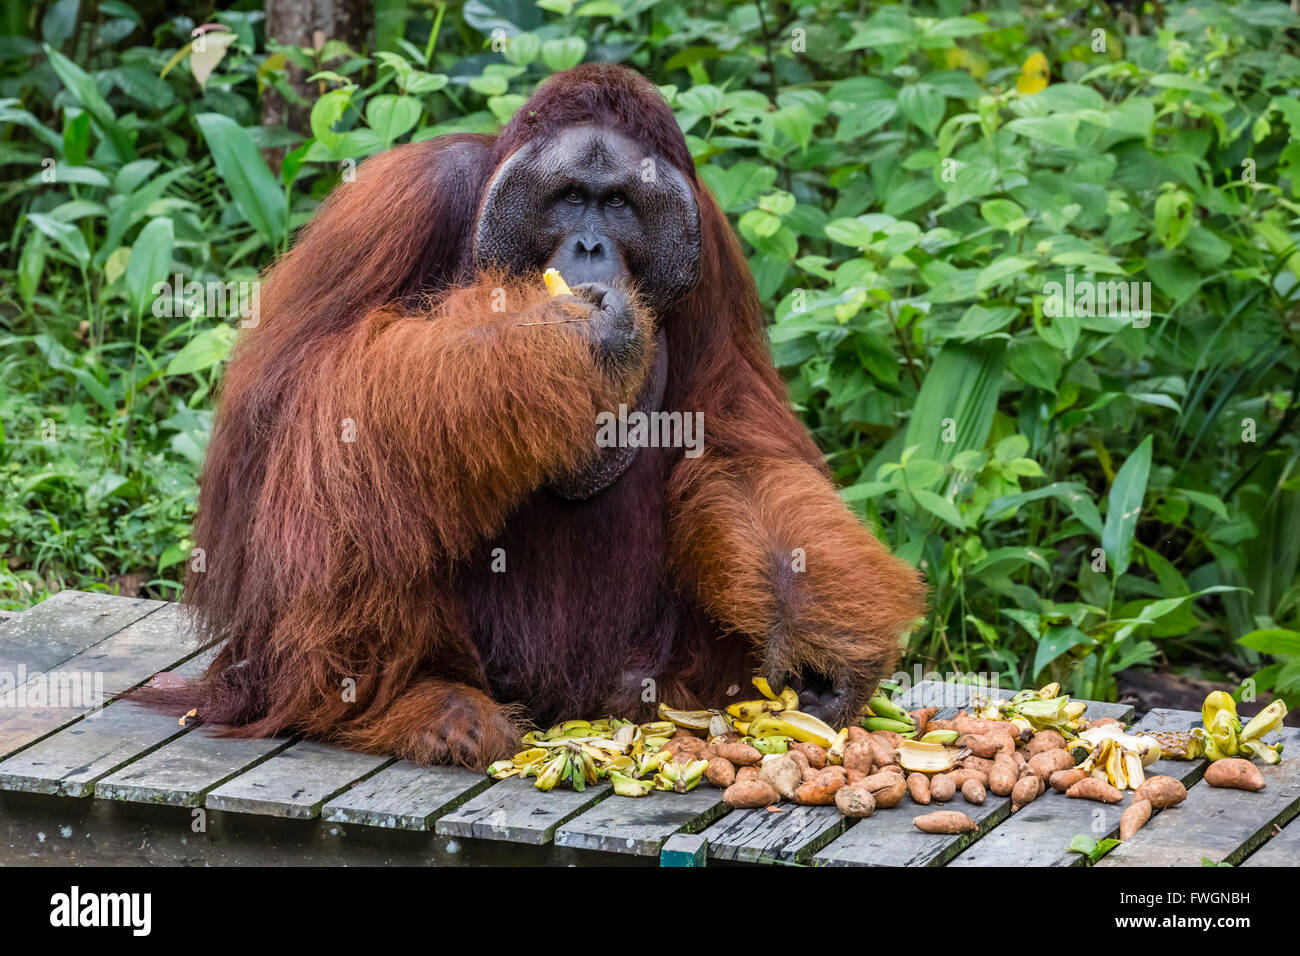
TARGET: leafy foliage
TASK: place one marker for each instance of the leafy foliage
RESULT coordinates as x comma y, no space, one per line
1088,489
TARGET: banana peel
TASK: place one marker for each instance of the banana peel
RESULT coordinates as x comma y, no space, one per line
916,756
794,724
1120,759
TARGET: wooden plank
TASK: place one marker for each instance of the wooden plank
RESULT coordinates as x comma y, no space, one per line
1040,834
404,796
65,624
181,773
640,825
1282,849
106,739
515,810
765,836
296,782
1217,824
83,682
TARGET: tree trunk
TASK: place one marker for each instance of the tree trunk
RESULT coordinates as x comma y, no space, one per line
308,23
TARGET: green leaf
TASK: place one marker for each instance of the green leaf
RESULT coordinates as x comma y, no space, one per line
327,111
251,183
923,105
1055,642
68,236
1173,217
1125,507
1272,640
563,53
1000,270
84,91
1071,494
392,116
203,351
1057,130
151,259
963,384
939,506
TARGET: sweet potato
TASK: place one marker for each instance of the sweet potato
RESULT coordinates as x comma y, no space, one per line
942,789
1134,818
1046,762
962,774
983,765
1094,788
746,774
944,821
781,774
972,791
1003,775
1063,780
740,755
858,756
1026,791
820,792
721,772
857,733
888,768
1161,792
855,776
799,759
1044,740
987,746
966,724
918,785
883,750
855,801
1234,773
750,795
816,756
921,719
887,788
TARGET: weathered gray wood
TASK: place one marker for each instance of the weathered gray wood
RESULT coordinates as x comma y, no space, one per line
70,761
65,624
181,773
1040,834
640,825
296,782
515,810
101,741
791,835
1282,849
404,796
83,682
1217,824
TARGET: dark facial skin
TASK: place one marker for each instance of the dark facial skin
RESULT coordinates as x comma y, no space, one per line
593,204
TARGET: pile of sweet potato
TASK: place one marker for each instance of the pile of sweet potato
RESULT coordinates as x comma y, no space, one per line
866,776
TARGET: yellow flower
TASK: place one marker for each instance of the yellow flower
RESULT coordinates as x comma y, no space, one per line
1034,75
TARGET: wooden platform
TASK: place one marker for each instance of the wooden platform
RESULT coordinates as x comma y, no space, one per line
87,779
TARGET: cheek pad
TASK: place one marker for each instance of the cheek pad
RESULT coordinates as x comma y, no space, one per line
666,265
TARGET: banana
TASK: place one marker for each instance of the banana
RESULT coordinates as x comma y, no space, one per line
768,745
690,719
555,284
888,723
940,737
882,706
764,688
747,710
626,786
1048,691
835,752
659,728
793,723
550,775
789,698
502,769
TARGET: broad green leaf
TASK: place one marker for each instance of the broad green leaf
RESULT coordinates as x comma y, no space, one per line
1125,507
392,116
1276,641
203,351
68,236
251,183
563,53
151,258
84,91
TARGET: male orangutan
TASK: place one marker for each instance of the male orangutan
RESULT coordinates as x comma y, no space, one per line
412,542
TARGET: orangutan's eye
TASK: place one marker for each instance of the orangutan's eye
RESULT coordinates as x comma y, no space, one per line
617,199
574,197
